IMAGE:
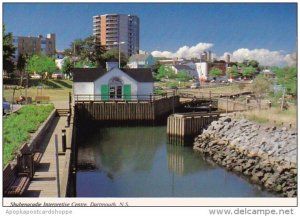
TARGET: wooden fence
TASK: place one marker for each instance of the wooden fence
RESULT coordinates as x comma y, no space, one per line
126,111
183,127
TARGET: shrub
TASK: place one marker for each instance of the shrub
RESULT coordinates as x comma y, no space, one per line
18,126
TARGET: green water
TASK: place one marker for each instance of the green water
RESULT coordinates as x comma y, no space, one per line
138,162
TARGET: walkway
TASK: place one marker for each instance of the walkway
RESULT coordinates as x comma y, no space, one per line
44,182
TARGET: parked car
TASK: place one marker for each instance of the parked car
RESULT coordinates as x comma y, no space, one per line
6,107
36,76
195,85
57,76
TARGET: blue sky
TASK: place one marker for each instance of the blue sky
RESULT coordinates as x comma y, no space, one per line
167,27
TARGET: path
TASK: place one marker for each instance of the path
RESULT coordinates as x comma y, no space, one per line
44,182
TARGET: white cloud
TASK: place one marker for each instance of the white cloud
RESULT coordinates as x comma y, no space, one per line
263,56
184,52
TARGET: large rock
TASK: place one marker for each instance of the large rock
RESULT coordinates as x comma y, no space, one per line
268,155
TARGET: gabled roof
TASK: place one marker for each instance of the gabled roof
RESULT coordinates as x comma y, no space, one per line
139,74
87,74
138,57
91,74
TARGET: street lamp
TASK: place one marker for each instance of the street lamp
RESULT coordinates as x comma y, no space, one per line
122,42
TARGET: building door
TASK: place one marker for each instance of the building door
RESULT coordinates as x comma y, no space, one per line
115,89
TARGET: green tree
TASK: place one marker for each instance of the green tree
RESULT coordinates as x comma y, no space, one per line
113,55
253,63
84,64
89,51
287,77
260,87
183,76
233,72
8,52
248,71
165,72
67,66
215,72
156,67
41,64
21,64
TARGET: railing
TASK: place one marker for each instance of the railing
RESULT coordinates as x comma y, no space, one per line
121,98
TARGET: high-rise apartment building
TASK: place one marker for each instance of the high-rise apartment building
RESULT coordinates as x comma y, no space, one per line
34,45
111,29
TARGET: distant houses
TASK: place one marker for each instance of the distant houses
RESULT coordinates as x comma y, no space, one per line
112,83
184,68
141,61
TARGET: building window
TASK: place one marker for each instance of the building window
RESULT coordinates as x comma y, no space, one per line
115,88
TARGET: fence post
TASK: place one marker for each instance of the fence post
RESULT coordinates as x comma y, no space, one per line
270,104
64,140
226,104
57,166
173,101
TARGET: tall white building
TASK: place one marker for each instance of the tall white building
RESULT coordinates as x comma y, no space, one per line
111,29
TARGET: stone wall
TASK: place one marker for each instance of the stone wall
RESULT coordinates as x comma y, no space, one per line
266,155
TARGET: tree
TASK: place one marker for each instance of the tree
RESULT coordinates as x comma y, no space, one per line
113,55
8,52
248,71
85,64
89,51
182,76
21,67
67,66
233,72
215,72
156,67
287,77
260,87
165,72
253,63
41,64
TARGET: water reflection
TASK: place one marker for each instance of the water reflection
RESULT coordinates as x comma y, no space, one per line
137,162
118,150
183,161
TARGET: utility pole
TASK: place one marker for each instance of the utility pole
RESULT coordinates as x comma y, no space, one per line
282,99
119,43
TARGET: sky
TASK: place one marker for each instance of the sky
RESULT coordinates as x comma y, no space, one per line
265,32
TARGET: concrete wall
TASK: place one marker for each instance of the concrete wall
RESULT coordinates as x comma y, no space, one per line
84,88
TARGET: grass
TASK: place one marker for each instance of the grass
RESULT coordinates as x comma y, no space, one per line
58,90
18,126
274,116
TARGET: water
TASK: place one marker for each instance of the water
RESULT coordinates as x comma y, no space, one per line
138,162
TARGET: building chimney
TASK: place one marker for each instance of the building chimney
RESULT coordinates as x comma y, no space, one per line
111,65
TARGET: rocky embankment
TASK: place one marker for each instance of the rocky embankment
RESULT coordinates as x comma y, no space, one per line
267,155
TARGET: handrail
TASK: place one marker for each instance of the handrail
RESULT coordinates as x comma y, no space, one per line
123,97
194,114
